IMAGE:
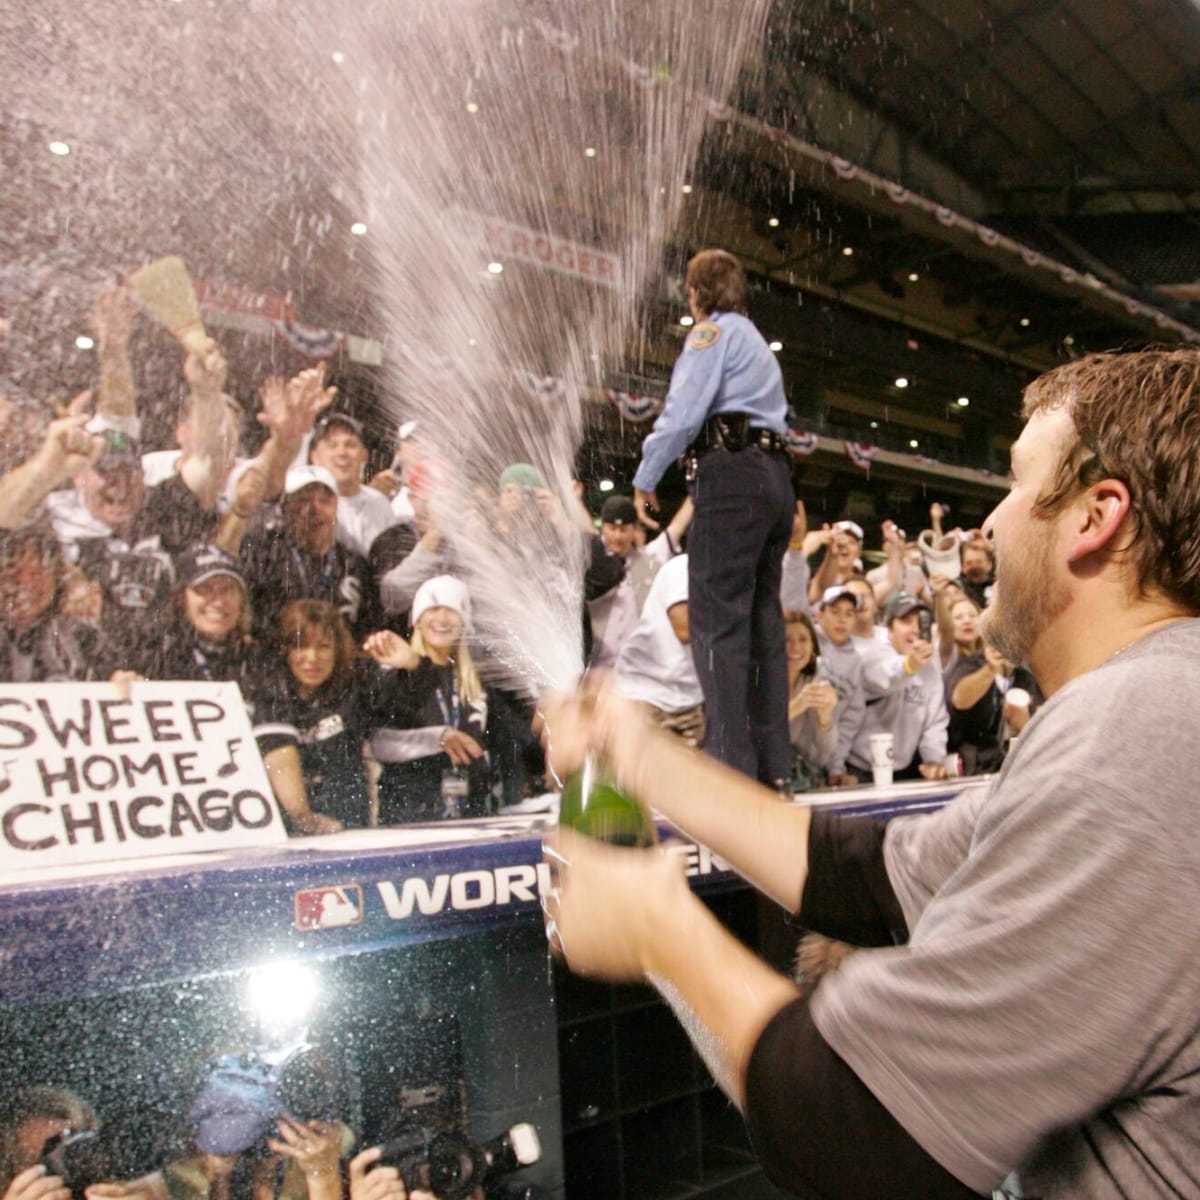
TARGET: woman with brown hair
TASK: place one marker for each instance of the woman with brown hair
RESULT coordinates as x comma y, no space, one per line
812,700
327,689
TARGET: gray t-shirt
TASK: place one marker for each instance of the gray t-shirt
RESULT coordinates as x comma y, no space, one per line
1042,1026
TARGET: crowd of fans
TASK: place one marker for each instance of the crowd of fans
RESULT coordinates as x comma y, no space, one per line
332,600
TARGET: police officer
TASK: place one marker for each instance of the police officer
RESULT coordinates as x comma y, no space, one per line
727,409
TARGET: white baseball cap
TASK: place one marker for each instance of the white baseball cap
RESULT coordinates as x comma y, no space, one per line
442,591
301,477
840,592
850,527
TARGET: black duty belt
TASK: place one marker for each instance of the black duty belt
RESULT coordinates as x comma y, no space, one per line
733,432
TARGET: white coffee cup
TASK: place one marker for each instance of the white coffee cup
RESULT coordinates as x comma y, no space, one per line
882,747
1018,697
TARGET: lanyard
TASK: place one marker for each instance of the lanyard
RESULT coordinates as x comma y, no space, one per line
450,712
325,580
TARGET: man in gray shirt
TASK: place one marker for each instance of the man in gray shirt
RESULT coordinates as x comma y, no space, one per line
1029,1019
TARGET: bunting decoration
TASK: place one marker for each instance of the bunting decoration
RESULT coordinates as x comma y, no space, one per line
549,389
800,444
634,408
860,454
310,341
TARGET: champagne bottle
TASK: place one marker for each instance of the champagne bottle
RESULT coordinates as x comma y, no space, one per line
591,803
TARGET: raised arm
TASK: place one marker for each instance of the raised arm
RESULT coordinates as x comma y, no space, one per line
680,522
289,410
893,543
210,456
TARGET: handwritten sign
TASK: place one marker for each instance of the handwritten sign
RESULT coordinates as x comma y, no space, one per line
87,775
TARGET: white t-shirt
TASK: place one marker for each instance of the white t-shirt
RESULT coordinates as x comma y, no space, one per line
615,614
654,666
159,465
361,518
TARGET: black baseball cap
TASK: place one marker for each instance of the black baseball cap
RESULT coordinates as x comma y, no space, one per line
901,605
618,510
204,561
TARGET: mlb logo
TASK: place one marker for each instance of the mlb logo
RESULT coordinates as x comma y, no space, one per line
329,907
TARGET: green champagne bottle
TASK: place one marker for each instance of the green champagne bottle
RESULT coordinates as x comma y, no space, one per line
592,803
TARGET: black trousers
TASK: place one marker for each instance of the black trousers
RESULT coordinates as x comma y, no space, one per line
744,508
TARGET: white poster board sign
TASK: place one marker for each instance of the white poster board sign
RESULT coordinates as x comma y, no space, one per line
88,774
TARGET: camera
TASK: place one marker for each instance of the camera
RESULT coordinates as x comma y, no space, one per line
81,1157
452,1166
925,624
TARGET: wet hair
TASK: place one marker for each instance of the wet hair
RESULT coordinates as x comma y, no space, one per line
795,616
304,622
719,280
1137,419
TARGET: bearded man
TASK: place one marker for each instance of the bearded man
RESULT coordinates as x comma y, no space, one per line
1028,1019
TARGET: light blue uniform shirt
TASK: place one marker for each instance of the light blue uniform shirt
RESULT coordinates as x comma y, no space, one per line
726,367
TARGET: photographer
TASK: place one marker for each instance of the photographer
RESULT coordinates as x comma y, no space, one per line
384,1183
445,1166
29,1121
264,1132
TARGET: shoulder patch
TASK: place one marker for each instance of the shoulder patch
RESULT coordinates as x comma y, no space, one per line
706,334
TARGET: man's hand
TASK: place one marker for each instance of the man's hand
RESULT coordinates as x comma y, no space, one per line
34,1184
998,663
461,748
893,537
206,372
290,409
67,447
845,779
816,538
919,654
313,1144
643,502
385,482
383,1183
597,719
933,771
599,914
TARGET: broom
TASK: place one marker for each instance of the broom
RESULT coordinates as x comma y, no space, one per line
165,288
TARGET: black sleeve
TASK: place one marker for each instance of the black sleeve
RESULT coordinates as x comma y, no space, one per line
604,571
173,513
847,894
819,1131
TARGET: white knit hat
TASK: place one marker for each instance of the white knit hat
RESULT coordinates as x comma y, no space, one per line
442,591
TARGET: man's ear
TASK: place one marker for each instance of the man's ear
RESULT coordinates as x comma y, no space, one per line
1101,513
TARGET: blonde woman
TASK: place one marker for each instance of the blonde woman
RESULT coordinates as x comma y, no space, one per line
432,713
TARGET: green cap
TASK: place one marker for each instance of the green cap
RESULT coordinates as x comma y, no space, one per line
521,475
